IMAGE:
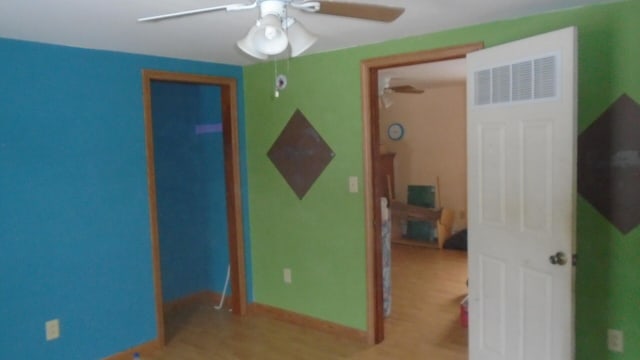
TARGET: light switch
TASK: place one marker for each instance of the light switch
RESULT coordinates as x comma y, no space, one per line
353,184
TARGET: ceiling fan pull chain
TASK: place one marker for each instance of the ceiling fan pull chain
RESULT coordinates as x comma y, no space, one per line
275,78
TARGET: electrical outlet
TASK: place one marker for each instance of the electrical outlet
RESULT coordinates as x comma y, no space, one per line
615,340
286,273
52,329
353,184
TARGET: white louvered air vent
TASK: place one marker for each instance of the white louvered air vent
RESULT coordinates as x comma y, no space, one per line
482,89
526,80
545,75
501,84
522,74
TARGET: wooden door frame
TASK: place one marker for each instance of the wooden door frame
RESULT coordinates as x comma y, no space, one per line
373,188
228,97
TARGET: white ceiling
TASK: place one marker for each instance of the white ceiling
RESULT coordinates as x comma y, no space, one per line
111,24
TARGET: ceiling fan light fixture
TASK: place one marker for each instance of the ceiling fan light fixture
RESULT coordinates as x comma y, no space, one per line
386,101
270,38
299,38
246,44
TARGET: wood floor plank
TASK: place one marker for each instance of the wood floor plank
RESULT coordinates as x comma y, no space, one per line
428,285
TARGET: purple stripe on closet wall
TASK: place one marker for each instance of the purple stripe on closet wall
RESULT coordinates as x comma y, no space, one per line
208,128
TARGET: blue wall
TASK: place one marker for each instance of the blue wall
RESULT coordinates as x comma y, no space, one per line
74,216
190,184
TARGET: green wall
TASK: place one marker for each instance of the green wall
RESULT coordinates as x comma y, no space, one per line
322,237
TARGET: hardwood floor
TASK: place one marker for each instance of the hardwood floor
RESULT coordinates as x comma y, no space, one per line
428,286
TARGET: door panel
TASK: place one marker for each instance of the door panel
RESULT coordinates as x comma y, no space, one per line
535,177
536,299
493,304
492,173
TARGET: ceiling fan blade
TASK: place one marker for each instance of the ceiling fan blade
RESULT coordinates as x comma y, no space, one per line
360,11
406,89
230,7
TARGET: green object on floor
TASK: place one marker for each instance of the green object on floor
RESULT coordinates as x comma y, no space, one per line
420,230
421,195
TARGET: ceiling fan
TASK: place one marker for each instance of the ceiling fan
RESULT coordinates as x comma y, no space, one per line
386,86
275,30
402,87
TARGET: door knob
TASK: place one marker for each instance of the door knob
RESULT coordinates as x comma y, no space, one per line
558,259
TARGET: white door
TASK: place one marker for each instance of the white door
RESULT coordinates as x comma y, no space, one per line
522,165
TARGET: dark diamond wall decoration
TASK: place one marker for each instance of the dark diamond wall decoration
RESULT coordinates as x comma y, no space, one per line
300,154
609,164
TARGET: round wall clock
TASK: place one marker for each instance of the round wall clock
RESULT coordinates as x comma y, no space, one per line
395,131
